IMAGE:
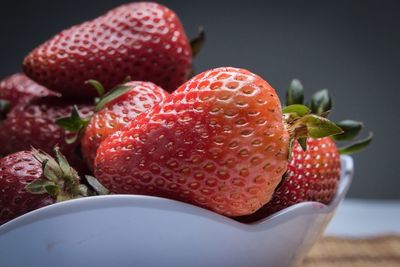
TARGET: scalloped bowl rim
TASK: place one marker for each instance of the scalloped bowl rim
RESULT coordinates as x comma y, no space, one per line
110,201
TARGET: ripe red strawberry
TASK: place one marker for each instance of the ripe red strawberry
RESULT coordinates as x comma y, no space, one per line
143,40
31,179
16,171
18,88
312,175
115,114
218,142
34,125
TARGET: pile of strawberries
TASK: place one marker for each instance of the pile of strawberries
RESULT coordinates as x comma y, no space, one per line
106,107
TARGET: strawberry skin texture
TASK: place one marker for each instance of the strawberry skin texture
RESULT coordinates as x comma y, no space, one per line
33,125
143,40
16,171
117,113
18,88
217,142
312,175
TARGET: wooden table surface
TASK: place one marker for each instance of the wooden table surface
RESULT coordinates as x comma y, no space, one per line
363,233
381,251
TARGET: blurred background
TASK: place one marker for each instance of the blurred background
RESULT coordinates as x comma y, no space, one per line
350,47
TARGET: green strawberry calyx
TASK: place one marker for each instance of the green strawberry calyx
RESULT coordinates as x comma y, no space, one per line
301,123
75,123
197,43
321,105
60,180
104,99
96,185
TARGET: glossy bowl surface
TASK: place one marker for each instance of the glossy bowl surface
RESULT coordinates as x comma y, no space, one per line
128,230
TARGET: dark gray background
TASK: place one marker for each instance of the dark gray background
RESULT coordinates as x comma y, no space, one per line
349,47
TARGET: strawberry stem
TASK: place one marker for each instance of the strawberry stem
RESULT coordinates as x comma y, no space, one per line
98,86
60,180
110,96
301,124
197,43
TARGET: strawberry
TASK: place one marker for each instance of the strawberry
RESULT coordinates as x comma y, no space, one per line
17,89
32,179
312,175
218,142
113,112
145,41
34,124
314,168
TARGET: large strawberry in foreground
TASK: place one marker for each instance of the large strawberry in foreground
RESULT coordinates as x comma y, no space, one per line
219,142
145,41
32,179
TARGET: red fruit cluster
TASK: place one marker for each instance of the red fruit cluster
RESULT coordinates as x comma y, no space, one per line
143,41
220,141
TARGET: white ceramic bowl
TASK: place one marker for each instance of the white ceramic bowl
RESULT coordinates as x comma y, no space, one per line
122,230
